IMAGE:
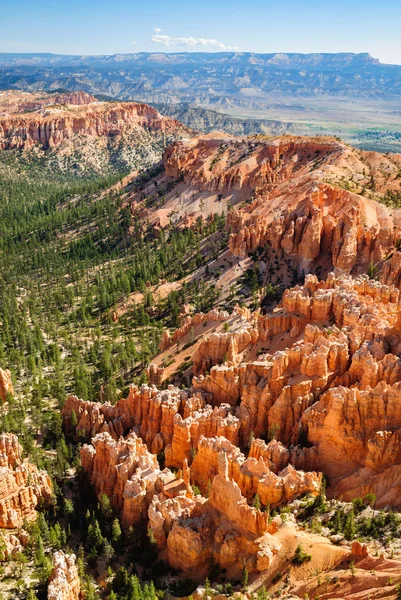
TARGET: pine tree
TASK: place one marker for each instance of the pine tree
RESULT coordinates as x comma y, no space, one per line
245,578
350,528
207,593
95,537
108,550
73,419
116,533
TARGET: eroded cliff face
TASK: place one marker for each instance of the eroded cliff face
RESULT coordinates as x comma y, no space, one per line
126,472
334,388
170,420
195,529
255,475
64,582
22,484
307,198
13,101
49,126
275,399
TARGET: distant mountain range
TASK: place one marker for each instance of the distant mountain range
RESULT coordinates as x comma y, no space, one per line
227,78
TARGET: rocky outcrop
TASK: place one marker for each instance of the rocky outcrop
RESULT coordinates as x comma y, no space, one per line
312,387
169,420
6,384
129,475
356,435
151,412
11,544
155,374
390,273
64,582
124,471
22,484
327,222
218,347
333,392
209,422
254,475
223,528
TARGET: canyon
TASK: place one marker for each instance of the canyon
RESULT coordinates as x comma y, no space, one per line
306,198
277,397
282,397
328,398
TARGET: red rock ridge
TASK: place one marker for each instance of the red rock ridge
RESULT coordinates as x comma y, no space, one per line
12,101
294,195
50,126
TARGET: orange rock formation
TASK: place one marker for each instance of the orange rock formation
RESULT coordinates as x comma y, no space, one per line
335,388
129,475
21,484
48,126
276,398
319,377
64,582
6,385
170,420
304,197
224,528
253,475
13,101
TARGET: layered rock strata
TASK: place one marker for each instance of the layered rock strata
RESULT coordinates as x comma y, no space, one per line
49,126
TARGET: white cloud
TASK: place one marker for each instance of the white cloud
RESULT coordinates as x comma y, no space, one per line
157,30
167,40
133,42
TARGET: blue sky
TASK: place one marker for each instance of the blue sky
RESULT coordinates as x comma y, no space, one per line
108,27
